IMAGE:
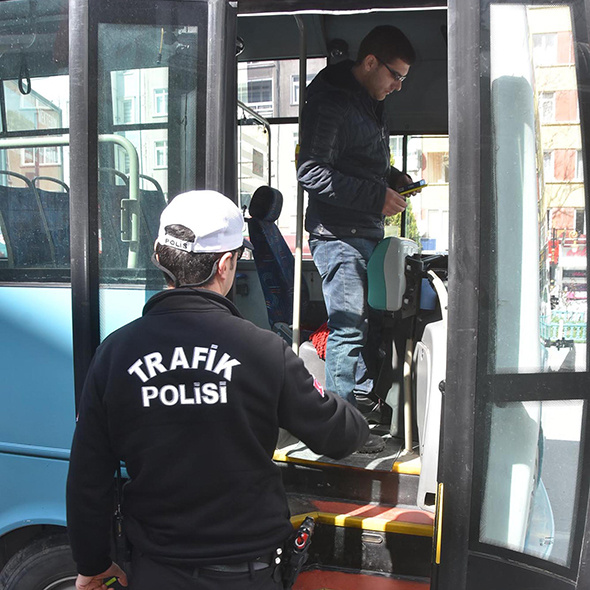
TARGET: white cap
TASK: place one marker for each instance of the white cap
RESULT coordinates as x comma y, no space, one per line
216,222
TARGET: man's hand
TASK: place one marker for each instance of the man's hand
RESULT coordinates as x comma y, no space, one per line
404,180
97,582
394,203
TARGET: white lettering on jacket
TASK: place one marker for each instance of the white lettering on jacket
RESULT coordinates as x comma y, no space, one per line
201,358
172,395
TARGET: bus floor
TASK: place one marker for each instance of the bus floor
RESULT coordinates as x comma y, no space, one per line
333,580
391,458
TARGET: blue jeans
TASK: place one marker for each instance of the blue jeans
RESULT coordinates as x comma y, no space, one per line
342,264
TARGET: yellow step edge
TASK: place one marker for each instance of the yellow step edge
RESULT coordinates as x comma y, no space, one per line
377,524
407,467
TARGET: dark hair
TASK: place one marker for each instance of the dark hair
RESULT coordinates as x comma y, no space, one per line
189,268
387,43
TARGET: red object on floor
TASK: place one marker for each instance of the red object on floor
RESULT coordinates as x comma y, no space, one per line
324,580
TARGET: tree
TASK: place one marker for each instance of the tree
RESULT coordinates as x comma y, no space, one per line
394,224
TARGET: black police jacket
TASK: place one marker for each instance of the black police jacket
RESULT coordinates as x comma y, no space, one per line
191,397
344,158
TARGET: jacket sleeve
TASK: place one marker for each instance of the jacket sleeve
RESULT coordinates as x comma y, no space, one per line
325,422
397,178
90,485
323,139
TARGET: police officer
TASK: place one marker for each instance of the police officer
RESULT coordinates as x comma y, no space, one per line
191,397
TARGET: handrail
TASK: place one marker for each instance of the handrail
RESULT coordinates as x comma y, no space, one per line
266,125
47,141
299,223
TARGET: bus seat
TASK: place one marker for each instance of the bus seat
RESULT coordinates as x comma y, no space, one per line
24,226
56,208
151,204
273,258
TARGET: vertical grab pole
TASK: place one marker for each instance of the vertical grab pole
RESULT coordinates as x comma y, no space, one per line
299,224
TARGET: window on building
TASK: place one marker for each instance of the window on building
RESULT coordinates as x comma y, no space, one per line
580,221
549,166
49,155
545,48
396,150
161,154
437,167
129,110
28,156
161,102
295,86
547,107
257,94
43,156
579,171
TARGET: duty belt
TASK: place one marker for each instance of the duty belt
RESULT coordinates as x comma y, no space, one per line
260,563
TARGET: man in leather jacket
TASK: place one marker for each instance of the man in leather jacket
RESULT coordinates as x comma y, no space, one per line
191,397
344,165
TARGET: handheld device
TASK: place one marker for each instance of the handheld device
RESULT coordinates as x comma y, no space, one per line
410,188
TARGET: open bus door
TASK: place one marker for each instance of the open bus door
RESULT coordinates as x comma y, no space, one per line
514,471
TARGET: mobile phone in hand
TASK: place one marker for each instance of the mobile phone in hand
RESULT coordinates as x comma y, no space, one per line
410,188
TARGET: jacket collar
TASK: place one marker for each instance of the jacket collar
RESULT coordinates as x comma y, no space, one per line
340,76
189,299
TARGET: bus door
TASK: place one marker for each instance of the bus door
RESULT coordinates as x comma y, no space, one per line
152,80
514,472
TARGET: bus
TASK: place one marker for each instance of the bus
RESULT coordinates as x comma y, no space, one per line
109,108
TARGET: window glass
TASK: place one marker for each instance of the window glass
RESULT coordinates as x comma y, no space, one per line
271,88
141,149
545,48
46,106
532,478
34,184
427,215
253,153
539,242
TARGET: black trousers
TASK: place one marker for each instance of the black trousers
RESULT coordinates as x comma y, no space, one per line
151,575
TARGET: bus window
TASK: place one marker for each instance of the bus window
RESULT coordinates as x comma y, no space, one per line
34,184
253,153
540,317
44,107
149,104
537,293
271,88
427,215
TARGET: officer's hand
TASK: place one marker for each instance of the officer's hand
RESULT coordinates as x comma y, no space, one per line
97,582
394,203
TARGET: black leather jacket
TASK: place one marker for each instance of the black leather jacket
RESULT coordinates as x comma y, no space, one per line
344,159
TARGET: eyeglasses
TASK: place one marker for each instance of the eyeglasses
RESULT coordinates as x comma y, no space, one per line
396,75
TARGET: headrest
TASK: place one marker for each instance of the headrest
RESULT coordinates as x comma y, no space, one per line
266,204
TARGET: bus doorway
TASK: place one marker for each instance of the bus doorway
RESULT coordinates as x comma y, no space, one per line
496,123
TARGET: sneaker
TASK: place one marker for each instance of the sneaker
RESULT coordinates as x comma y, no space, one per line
374,444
